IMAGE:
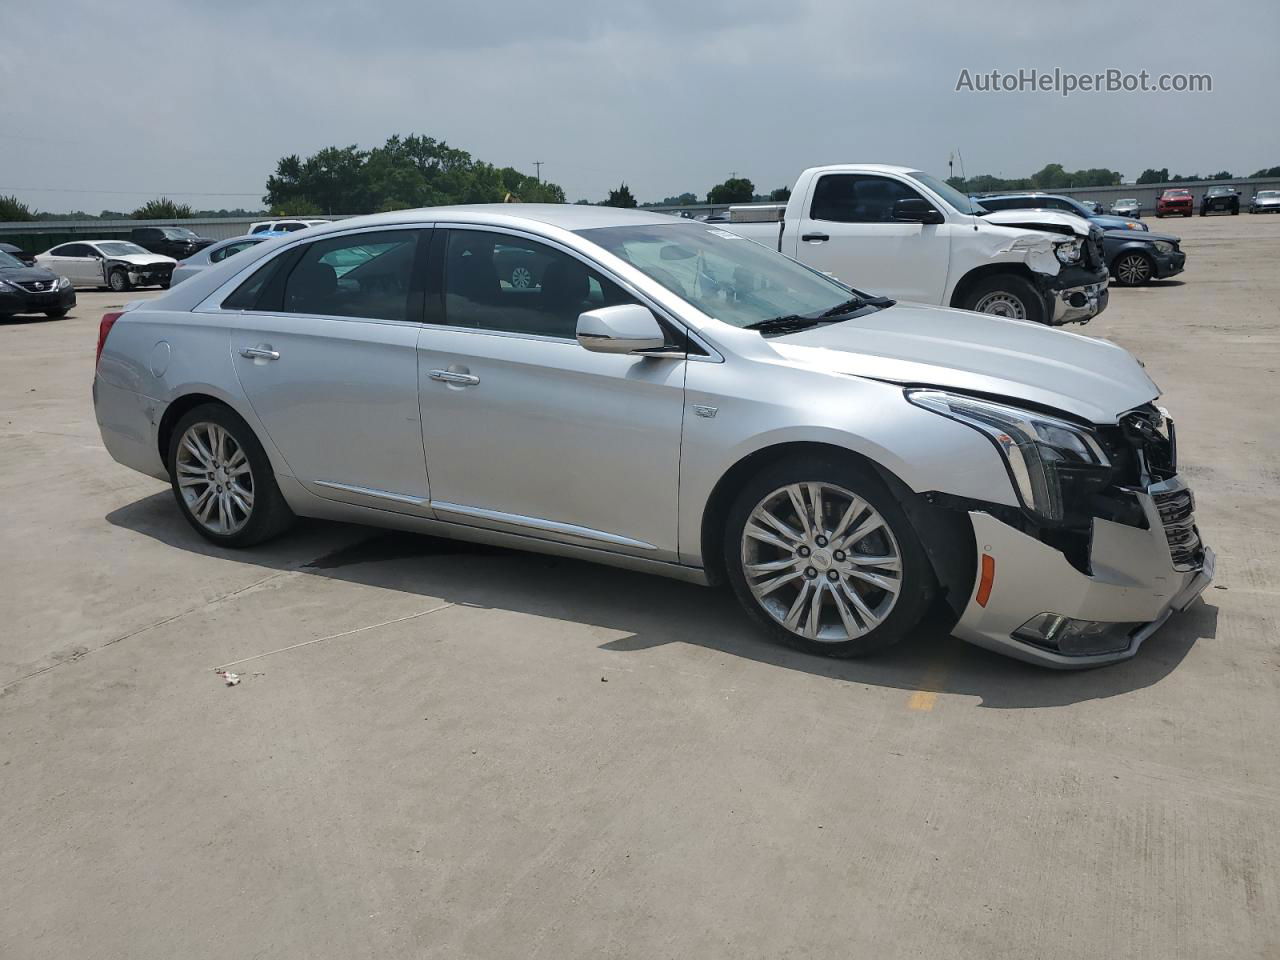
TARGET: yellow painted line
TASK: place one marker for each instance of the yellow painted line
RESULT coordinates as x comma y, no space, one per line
933,680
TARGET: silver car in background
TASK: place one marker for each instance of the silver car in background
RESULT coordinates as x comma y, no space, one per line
1126,208
668,397
203,259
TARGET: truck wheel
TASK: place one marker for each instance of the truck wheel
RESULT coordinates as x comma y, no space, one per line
1006,295
118,281
820,553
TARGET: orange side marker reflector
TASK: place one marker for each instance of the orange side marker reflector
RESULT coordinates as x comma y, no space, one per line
986,580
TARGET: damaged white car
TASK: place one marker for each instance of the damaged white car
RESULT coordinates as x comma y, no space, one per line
907,235
118,264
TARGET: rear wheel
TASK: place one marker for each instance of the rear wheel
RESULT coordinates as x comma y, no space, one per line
821,554
1132,269
1006,295
222,479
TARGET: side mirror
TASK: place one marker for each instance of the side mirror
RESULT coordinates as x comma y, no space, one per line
623,329
916,210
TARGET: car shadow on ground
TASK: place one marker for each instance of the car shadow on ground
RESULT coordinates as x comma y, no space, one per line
16,319
652,611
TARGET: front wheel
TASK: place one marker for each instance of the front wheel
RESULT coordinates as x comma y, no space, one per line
118,281
1132,269
1006,295
222,479
55,314
819,552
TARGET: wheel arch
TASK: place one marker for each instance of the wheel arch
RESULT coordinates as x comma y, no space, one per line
982,272
196,395
947,535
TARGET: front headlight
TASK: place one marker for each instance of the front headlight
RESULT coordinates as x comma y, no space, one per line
6,285
63,283
1164,246
1068,252
1136,225
1044,454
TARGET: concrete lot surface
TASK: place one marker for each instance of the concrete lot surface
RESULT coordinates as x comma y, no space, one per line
499,755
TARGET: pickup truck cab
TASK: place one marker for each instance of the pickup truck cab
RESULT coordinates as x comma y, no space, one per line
175,242
907,235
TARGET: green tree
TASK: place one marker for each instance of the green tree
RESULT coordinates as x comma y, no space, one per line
1220,175
622,197
297,207
11,208
780,195
1267,172
1150,175
162,209
682,200
733,190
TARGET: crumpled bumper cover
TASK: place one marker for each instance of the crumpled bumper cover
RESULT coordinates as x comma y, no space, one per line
1133,581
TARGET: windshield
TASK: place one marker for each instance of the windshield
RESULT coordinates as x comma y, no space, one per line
1123,202
180,233
1219,191
1268,194
8,262
725,276
119,248
951,195
1176,193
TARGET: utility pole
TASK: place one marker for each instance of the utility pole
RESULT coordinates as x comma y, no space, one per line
538,164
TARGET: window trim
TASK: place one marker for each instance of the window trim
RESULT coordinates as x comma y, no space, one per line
901,181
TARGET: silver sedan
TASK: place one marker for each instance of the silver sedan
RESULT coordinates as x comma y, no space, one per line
666,396
215,253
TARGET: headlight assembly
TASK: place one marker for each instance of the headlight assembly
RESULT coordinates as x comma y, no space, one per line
1050,460
6,285
1164,246
63,283
1068,252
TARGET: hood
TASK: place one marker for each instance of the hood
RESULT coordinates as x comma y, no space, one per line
144,259
26,274
1107,222
1130,235
913,343
1055,221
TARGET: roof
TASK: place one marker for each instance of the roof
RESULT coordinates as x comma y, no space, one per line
566,216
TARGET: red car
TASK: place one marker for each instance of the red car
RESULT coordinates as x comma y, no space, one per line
1174,202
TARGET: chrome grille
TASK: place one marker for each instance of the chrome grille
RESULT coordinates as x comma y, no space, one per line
38,286
1177,514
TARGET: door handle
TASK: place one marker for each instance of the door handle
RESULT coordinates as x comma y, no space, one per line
815,237
449,376
259,353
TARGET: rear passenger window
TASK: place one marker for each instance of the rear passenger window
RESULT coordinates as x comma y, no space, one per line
366,275
249,293
857,198
496,281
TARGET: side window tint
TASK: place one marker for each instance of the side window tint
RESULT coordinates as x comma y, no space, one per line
496,281
362,275
247,295
855,198
218,255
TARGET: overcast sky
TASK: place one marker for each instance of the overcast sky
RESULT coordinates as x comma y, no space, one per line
192,98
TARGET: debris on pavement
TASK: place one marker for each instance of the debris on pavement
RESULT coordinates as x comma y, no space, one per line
231,678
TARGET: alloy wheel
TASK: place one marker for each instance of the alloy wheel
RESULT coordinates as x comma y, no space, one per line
1002,304
521,278
821,561
1133,269
214,478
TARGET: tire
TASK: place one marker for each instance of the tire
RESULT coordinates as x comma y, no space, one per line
198,470
1006,295
1187,214
1132,269
56,314
118,281
1235,211
780,597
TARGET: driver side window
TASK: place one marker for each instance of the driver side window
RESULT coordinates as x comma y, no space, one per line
858,198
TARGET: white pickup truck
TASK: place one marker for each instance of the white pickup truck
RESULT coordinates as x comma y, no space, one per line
904,234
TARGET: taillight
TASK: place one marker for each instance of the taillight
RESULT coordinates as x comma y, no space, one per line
104,327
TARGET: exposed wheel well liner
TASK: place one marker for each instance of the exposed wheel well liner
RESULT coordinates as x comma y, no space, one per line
988,270
946,534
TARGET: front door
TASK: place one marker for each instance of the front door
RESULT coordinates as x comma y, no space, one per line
848,231
327,359
525,430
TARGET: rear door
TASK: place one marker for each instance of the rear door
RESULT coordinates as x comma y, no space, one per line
326,354
847,230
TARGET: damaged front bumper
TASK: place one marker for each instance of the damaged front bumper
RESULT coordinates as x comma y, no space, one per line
1138,578
1076,295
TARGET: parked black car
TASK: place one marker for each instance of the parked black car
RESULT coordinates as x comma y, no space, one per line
176,242
25,289
1136,258
1051,201
1220,198
18,254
